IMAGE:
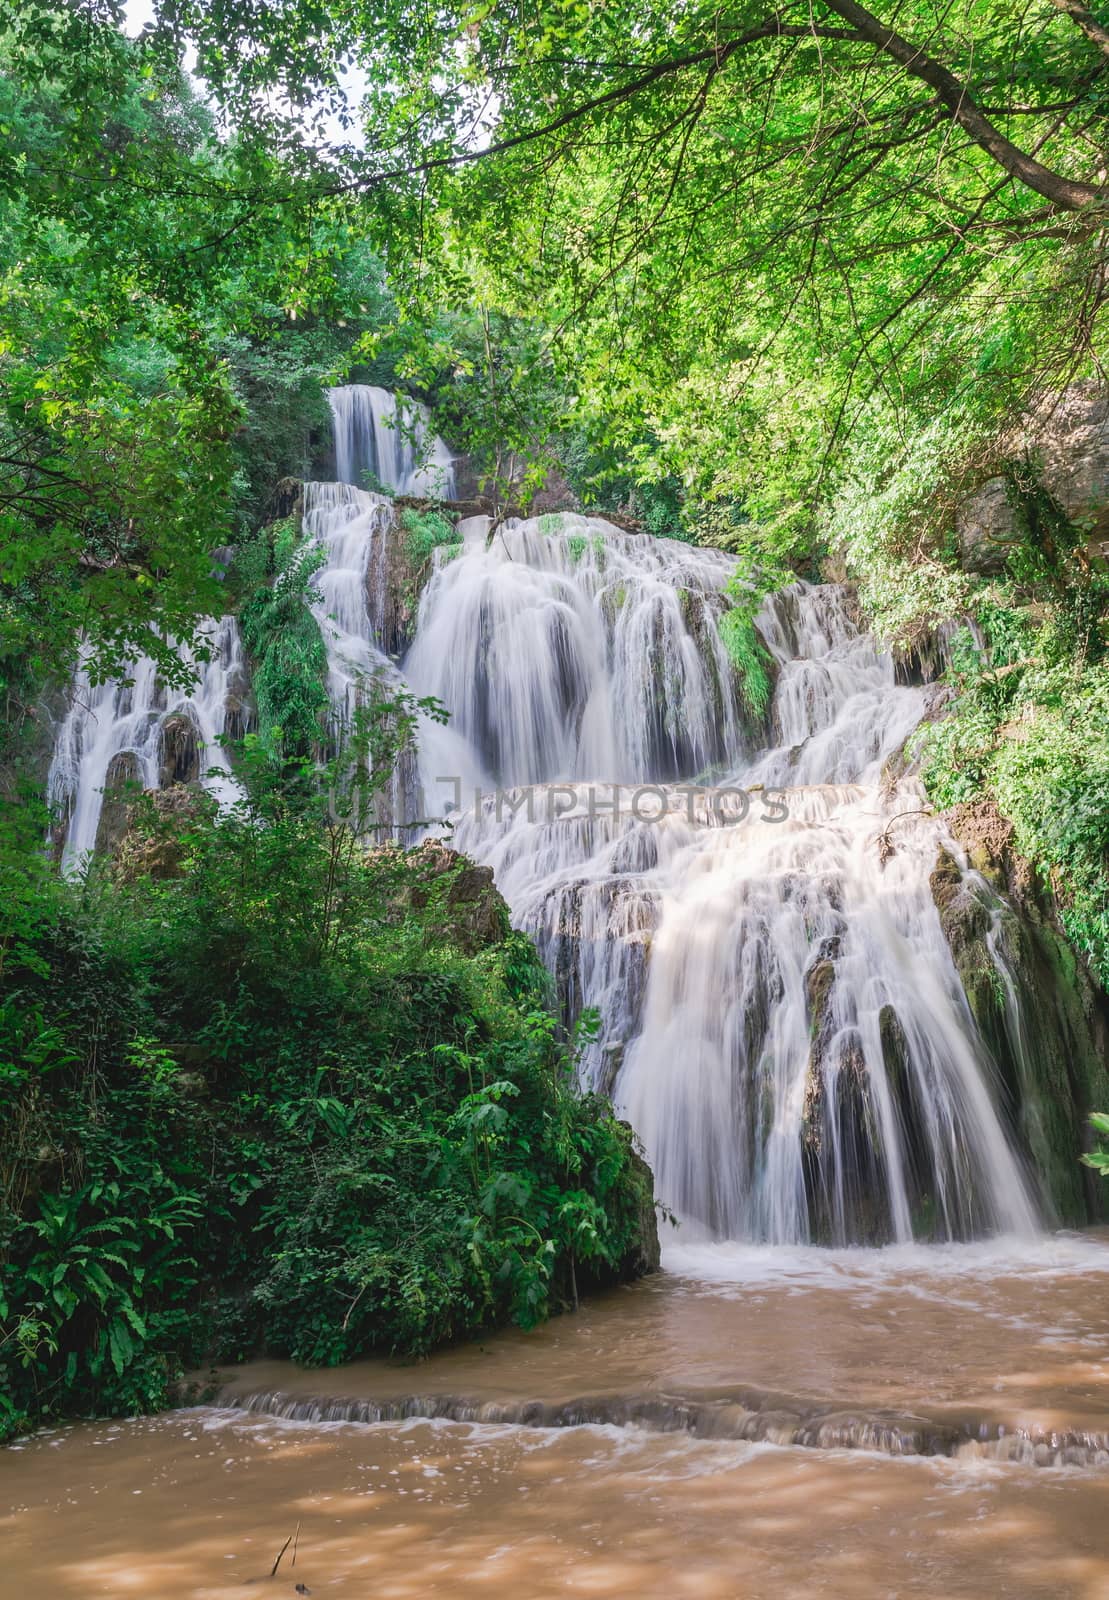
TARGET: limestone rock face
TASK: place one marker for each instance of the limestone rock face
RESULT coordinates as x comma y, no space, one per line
1066,438
473,908
986,528
393,584
1008,946
287,500
123,776
152,844
181,750
1070,436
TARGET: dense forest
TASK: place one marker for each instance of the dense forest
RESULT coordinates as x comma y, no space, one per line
815,287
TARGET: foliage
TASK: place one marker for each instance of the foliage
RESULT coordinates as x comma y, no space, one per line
425,532
1031,726
1099,1159
289,661
744,645
738,243
271,1101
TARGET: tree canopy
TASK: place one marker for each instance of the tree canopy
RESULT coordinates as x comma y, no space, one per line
744,228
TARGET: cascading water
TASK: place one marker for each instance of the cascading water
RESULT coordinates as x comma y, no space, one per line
117,723
782,1020
565,648
783,1023
384,438
122,725
353,529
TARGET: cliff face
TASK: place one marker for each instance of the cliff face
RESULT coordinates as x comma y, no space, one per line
1065,443
1052,1048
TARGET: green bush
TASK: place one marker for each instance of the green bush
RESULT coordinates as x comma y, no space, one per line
274,573
745,647
283,1099
425,532
1030,726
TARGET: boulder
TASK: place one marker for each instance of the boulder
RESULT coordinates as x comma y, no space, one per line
393,582
153,842
986,527
122,781
474,912
286,500
1065,437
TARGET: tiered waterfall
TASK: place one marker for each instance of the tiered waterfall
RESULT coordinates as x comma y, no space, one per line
743,897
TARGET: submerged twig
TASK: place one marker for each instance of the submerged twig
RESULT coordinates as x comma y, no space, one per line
280,1553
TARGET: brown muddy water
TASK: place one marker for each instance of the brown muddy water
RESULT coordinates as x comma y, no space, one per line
750,1423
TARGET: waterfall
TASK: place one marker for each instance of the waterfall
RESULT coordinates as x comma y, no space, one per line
745,899
355,530
352,528
389,437
566,648
117,731
782,1020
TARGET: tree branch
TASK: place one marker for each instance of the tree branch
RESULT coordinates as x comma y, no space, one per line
771,28
1085,20
1065,193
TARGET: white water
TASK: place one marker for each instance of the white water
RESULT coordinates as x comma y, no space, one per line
353,528
565,648
118,718
373,429
573,657
782,1021
390,437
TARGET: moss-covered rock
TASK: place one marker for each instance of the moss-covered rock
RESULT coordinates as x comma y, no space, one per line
123,779
1044,1020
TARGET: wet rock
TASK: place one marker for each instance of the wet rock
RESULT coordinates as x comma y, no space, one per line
121,786
612,1059
925,655
286,500
844,1161
554,494
1044,1020
906,760
238,706
818,987
181,750
394,581
644,1255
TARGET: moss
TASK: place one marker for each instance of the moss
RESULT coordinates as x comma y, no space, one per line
425,532
1058,1070
748,655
